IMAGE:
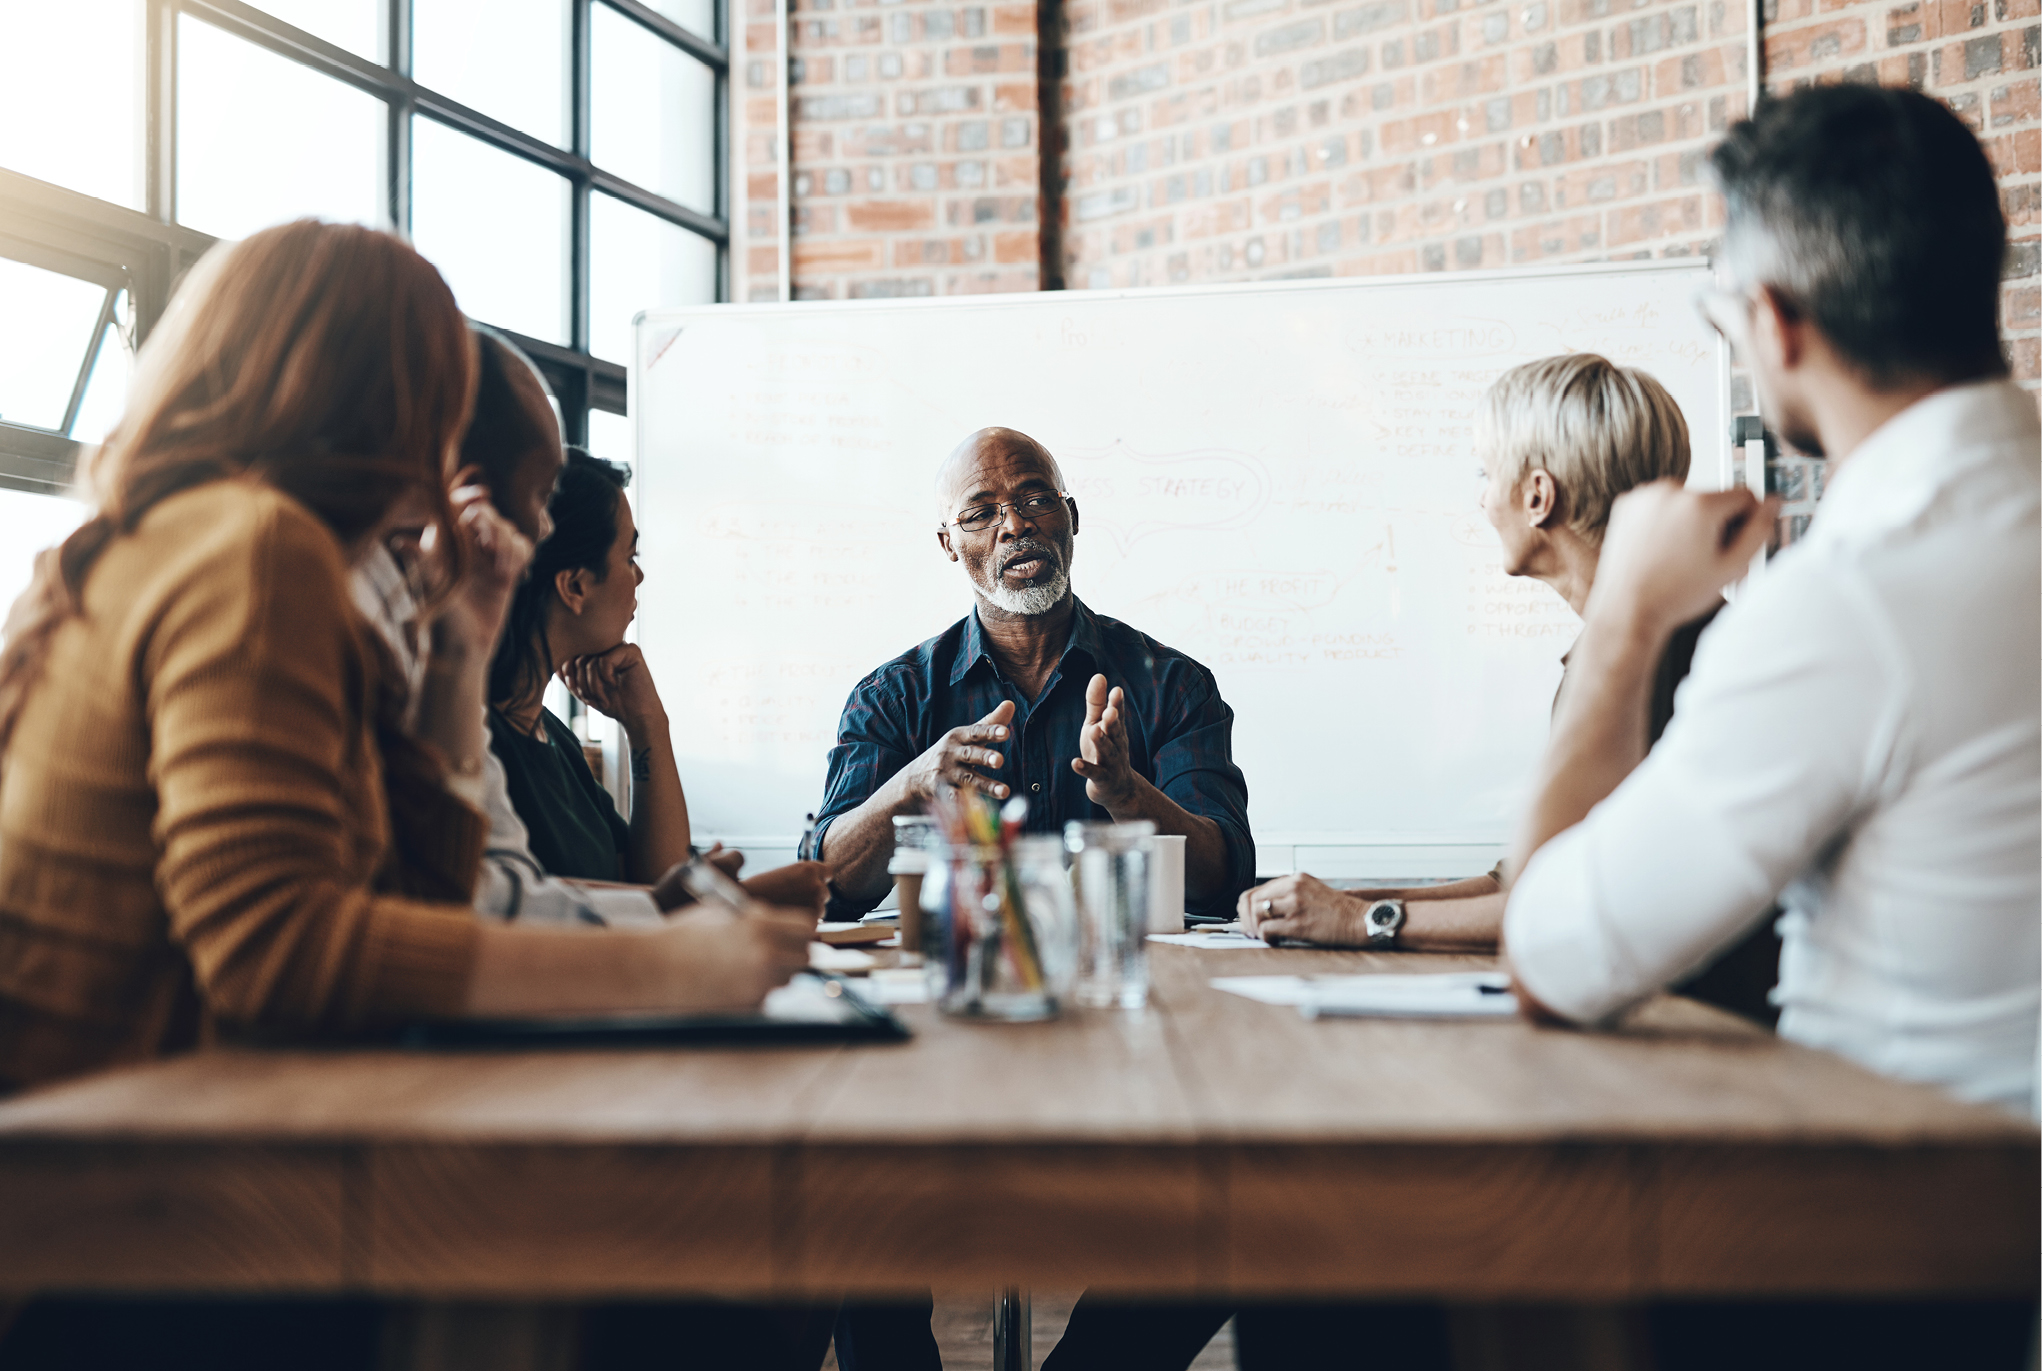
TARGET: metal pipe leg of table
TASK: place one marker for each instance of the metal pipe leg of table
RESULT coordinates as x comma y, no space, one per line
1011,1316
443,1335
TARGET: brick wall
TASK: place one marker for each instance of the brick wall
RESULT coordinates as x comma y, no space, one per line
1245,138
758,214
1239,139
915,151
1980,57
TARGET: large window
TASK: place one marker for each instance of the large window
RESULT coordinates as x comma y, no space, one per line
561,161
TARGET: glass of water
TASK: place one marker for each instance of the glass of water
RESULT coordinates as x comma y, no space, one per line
1112,874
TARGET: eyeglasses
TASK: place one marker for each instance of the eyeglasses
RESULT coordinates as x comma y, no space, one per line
1728,311
1030,507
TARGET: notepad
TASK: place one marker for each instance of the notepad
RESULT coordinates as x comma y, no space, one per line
1207,940
897,985
809,1008
1432,995
853,934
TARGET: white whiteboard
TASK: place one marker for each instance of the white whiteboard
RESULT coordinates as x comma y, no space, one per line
1278,479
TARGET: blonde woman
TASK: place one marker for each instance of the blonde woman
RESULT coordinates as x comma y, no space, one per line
1560,440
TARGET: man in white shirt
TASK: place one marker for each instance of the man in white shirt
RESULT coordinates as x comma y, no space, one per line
1859,735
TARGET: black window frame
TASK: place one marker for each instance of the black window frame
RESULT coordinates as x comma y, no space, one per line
146,252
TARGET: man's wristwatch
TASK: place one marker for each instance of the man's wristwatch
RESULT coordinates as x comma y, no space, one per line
1383,921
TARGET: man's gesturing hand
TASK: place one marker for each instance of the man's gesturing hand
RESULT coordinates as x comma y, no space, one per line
1669,552
1102,747
962,756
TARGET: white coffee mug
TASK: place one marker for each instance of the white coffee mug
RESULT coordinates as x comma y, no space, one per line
1166,887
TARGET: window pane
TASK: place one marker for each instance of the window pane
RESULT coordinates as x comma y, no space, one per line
262,139
70,95
696,16
28,524
609,436
653,113
639,262
356,25
506,58
496,227
50,323
106,394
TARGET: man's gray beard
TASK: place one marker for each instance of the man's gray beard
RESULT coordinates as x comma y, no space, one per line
1031,600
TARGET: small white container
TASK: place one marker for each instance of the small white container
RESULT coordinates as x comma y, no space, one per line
1166,889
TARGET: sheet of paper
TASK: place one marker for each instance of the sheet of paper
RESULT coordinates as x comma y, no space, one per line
897,985
823,957
1268,989
1206,938
805,999
1443,995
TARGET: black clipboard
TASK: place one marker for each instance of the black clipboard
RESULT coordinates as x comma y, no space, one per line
822,1009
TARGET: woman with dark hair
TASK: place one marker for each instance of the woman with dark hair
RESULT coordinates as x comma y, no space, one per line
510,456
570,616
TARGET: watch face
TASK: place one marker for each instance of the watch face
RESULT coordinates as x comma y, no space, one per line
1383,915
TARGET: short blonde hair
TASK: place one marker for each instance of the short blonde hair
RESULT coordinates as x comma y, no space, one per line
1599,428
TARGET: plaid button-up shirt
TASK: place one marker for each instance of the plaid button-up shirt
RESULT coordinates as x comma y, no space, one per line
1179,732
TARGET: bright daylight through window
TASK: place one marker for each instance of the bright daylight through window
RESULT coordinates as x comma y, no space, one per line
561,161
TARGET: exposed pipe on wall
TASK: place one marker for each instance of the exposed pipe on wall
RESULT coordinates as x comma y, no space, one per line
783,150
1754,57
1050,142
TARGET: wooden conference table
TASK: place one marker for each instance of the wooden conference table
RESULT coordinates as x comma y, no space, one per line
1210,1144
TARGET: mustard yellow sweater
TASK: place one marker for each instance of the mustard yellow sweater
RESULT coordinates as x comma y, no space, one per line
195,826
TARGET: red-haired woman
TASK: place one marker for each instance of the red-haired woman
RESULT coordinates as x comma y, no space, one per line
210,818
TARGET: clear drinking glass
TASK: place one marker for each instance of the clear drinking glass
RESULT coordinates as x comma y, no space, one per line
1112,871
1000,930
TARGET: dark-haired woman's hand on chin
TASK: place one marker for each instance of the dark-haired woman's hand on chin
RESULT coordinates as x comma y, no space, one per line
727,961
619,684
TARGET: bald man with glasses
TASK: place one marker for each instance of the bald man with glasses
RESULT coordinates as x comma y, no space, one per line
1032,694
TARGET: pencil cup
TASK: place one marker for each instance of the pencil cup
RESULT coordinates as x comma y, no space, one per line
1112,870
999,930
1166,896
